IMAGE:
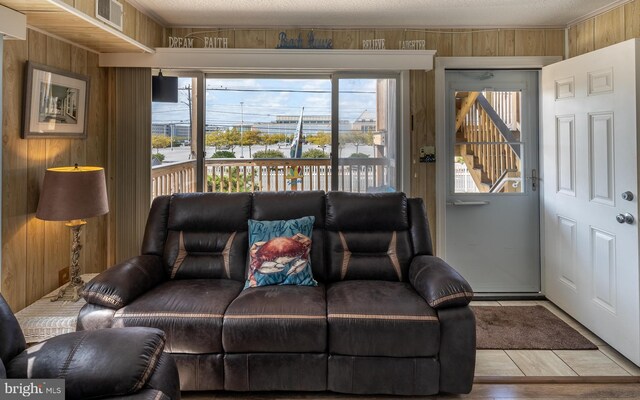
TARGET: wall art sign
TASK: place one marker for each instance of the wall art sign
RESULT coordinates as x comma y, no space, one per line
373,44
180,42
285,42
216,42
55,103
412,45
210,42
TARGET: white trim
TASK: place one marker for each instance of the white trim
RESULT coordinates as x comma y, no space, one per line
596,12
12,23
405,132
33,28
274,59
464,29
441,65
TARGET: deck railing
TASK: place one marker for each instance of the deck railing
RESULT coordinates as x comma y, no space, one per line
178,177
250,175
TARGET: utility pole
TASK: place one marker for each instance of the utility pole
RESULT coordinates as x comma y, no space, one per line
241,128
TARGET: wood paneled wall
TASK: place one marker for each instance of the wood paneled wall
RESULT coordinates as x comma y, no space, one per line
131,121
617,25
33,251
447,42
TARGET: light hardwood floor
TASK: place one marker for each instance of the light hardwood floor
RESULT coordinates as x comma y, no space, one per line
479,392
503,366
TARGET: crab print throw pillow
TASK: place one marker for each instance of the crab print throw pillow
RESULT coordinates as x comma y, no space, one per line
279,253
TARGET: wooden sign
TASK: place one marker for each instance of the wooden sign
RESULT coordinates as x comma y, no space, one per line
216,42
312,42
184,42
412,45
373,44
209,42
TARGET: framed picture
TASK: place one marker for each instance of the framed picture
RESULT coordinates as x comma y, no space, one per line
55,103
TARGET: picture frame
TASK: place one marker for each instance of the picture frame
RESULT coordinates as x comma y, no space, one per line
55,103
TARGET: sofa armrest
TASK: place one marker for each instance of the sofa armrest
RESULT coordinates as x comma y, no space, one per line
121,284
106,362
439,284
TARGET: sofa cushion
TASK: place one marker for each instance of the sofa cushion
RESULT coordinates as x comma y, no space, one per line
189,312
210,255
269,206
380,318
279,252
277,319
368,236
367,211
207,235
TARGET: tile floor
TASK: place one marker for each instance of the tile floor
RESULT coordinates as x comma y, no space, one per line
553,363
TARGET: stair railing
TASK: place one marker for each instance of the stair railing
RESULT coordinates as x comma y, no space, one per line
491,148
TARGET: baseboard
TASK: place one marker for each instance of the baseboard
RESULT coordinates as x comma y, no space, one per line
555,379
508,296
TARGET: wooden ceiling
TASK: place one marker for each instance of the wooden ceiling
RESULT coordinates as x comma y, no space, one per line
65,21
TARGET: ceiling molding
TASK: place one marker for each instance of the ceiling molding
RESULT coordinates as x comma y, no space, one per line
274,59
319,28
362,14
148,12
599,11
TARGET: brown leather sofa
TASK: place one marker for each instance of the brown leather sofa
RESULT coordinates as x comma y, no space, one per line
386,317
108,363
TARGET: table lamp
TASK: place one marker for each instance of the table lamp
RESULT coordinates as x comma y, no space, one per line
72,194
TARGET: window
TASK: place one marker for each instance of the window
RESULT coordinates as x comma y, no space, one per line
174,142
279,133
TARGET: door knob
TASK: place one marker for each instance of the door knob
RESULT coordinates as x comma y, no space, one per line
625,218
627,196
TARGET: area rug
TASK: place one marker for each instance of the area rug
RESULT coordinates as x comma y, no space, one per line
525,328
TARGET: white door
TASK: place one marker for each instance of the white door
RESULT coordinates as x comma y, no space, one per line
492,213
590,160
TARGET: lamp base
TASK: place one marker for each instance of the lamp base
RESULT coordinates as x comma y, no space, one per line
73,290
70,292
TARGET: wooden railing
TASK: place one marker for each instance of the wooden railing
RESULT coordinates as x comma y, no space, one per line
491,153
507,106
249,175
179,177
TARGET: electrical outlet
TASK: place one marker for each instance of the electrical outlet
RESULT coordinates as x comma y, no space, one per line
63,276
427,154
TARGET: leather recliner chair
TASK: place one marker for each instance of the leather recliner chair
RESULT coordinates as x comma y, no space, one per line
124,363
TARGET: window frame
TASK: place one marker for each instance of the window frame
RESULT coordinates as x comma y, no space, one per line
403,131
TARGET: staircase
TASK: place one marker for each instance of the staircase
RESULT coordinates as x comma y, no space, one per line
487,136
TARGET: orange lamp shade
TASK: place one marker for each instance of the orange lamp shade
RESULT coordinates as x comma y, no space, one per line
70,193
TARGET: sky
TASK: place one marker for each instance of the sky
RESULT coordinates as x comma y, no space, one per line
263,99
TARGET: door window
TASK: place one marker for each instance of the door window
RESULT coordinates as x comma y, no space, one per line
488,148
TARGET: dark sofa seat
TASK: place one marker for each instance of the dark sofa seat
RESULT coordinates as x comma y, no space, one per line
189,311
387,317
277,319
380,318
